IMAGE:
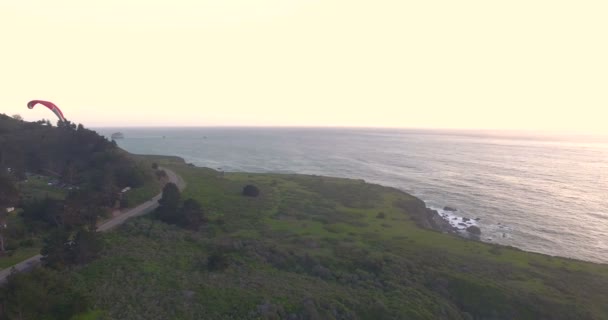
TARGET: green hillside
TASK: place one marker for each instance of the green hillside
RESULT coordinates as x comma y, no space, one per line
313,247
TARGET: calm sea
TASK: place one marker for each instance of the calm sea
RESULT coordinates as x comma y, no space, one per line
541,193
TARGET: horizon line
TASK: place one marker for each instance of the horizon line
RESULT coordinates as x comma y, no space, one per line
503,130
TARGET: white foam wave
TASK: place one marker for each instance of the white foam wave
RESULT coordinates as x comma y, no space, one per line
455,220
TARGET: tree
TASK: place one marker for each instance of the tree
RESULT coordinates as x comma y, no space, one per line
124,201
161,174
217,262
169,204
56,250
191,215
17,117
62,248
128,175
9,195
251,191
86,248
38,214
81,210
170,197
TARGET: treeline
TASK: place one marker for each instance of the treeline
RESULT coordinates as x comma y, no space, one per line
94,168
91,171
70,153
91,167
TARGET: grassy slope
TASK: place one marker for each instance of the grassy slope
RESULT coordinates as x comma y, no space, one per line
313,247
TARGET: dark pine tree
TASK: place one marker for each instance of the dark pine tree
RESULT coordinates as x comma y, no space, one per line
169,204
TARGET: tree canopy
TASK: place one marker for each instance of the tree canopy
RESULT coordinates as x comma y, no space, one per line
189,215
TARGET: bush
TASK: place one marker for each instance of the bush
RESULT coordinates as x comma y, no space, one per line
26,243
124,201
474,230
217,262
161,174
41,294
251,191
62,248
169,204
191,215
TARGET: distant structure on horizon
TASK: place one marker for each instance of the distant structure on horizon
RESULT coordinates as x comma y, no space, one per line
117,135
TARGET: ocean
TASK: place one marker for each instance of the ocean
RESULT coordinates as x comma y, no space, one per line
538,192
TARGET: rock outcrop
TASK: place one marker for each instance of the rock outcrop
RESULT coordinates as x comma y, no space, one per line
474,230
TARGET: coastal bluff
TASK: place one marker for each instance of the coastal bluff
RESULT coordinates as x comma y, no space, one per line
329,248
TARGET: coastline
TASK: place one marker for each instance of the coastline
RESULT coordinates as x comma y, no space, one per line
440,220
453,222
425,216
503,194
329,238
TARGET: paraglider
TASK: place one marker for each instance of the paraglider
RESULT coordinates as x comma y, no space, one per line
49,105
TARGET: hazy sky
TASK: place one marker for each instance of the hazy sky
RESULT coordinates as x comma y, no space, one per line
440,64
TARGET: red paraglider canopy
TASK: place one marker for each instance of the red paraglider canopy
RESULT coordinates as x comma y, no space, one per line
49,105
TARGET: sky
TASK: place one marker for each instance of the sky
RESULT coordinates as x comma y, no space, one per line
519,65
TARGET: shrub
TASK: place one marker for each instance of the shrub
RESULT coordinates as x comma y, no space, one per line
168,204
191,215
161,174
217,262
474,230
251,191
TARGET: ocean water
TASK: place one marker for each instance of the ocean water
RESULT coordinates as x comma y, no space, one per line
541,193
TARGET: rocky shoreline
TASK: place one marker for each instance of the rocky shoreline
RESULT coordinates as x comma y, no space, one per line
438,223
443,220
447,222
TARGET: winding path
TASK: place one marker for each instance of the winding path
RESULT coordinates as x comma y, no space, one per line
141,209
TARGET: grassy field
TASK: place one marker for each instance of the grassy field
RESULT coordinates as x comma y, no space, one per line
18,255
313,247
37,187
